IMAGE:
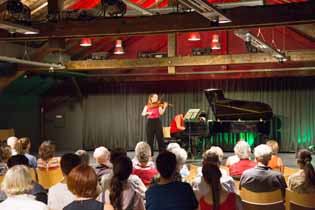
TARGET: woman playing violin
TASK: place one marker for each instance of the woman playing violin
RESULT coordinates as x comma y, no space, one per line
153,110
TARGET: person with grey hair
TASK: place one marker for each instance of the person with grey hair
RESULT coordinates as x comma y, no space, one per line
243,152
16,184
84,156
261,178
102,157
12,141
214,156
143,167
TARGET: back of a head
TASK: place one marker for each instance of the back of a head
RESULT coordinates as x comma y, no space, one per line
143,152
274,146
82,181
25,142
5,153
116,153
166,164
210,156
17,160
68,162
242,149
84,156
17,181
212,174
172,146
304,157
263,153
122,168
46,150
11,141
101,155
181,156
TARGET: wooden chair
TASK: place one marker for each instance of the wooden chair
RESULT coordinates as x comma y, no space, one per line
288,172
262,200
300,200
167,136
1,178
48,178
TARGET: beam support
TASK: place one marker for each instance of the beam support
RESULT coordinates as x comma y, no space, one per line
171,51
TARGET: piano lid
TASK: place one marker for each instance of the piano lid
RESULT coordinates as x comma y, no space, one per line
228,109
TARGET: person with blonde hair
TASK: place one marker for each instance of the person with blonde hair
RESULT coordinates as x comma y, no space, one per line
102,158
17,184
243,152
275,162
143,167
26,146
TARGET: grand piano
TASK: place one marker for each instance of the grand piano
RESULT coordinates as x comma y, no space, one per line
230,116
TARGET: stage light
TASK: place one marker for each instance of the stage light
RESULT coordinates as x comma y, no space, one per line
194,36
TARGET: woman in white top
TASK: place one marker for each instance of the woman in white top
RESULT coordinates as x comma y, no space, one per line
17,183
121,196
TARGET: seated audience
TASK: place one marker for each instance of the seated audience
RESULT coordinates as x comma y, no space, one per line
214,156
143,166
102,155
275,162
261,178
16,184
234,158
47,159
121,194
84,156
59,195
5,154
304,180
82,182
26,146
38,191
243,152
134,180
172,146
11,141
168,194
217,198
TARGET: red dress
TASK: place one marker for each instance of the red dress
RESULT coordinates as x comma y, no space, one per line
228,204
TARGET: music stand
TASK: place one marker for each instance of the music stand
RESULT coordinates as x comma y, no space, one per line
191,114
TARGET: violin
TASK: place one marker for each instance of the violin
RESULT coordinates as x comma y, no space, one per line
159,104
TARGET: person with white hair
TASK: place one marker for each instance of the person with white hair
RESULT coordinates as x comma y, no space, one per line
16,184
234,158
172,146
143,166
261,178
243,152
213,156
12,141
102,158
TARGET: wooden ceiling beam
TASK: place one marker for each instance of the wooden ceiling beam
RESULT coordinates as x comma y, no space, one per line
242,17
250,58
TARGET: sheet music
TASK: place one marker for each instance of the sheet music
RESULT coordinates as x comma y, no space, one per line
191,114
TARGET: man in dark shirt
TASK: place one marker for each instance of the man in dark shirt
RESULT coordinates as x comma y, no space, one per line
261,178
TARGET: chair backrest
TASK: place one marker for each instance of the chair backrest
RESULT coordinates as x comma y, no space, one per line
1,178
306,200
6,133
261,198
167,132
48,178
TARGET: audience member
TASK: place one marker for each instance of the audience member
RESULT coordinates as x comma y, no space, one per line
38,191
84,156
16,184
134,180
168,194
234,158
59,195
11,141
82,182
261,178
47,159
102,155
143,166
5,154
304,180
172,146
26,146
275,162
213,156
121,194
243,152
217,198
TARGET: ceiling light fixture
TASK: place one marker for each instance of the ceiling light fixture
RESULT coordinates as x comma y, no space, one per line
119,50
